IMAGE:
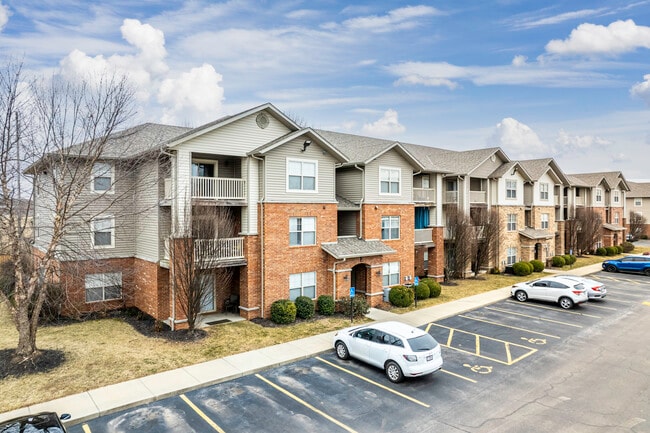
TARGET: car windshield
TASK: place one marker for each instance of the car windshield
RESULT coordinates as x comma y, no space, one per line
33,424
422,343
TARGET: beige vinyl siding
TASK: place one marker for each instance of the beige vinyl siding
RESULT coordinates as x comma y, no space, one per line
148,180
390,159
251,171
43,212
349,183
276,173
487,167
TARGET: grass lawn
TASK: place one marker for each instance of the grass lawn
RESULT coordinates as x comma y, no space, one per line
108,351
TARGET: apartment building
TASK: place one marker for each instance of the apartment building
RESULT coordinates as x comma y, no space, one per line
307,213
638,203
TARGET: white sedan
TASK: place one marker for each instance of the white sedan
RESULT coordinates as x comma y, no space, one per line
565,292
595,289
399,349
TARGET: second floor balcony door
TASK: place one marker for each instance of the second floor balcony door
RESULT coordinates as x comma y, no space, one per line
203,169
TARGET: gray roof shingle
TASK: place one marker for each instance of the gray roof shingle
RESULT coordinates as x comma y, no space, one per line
351,246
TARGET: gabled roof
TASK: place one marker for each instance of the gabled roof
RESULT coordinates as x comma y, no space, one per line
307,132
639,189
612,179
219,123
536,168
455,162
532,233
508,167
363,150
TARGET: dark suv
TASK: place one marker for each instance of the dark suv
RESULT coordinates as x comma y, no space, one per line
631,263
44,422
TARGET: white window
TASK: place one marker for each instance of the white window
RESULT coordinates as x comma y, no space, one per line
302,285
544,220
511,188
616,218
302,231
617,196
426,181
102,178
390,274
389,180
638,202
599,195
103,232
390,227
511,257
543,191
512,222
103,287
301,175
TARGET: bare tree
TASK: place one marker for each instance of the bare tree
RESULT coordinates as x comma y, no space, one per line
460,235
571,235
53,133
589,229
488,238
637,224
197,256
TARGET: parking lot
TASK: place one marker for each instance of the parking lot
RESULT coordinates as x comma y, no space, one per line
493,355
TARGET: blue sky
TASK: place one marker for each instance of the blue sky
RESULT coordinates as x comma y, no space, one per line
565,79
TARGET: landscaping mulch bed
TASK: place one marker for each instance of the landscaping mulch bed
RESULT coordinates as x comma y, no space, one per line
43,361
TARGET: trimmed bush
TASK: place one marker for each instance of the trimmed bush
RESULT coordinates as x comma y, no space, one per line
611,251
422,290
522,268
401,296
627,247
601,251
558,261
283,311
619,249
359,306
434,287
538,265
325,305
304,307
570,259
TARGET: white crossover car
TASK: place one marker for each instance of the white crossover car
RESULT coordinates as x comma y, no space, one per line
565,292
399,349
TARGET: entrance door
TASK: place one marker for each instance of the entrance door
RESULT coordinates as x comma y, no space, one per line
358,278
207,298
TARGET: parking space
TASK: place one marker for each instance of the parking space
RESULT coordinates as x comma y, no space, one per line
481,349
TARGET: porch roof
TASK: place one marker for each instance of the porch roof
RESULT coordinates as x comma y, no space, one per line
347,247
531,233
613,227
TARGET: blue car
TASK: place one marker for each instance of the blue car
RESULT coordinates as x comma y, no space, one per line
632,263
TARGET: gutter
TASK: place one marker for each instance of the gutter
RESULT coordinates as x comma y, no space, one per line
261,224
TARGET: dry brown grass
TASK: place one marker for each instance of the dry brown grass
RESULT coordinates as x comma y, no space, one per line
103,352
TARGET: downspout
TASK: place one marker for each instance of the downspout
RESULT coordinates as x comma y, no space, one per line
261,223
172,321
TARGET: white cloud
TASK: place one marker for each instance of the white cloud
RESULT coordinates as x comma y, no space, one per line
396,19
428,74
387,125
588,39
559,18
519,61
569,142
642,90
194,96
518,140
4,16
150,42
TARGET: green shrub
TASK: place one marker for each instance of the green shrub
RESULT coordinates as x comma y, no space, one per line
422,290
538,265
601,251
570,259
627,247
434,287
495,271
611,251
619,249
359,306
304,307
325,305
283,311
522,268
400,296
558,261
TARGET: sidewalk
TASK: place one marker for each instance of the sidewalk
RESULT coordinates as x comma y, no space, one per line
109,399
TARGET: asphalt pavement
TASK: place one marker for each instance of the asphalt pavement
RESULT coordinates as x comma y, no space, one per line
109,399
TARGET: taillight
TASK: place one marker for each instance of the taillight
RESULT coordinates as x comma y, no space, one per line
577,292
410,358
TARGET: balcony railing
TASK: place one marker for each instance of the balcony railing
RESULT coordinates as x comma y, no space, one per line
451,197
478,196
424,195
218,188
215,250
423,235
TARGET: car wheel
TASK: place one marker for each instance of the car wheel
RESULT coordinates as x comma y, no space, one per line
566,303
394,372
521,296
610,268
646,272
342,350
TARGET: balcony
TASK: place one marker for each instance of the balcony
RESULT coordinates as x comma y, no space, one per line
424,195
451,197
478,197
212,252
423,236
218,188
